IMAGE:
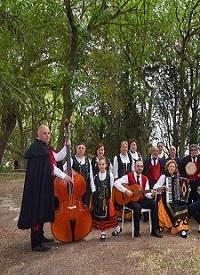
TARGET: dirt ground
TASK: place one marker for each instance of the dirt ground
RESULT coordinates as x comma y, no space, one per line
117,255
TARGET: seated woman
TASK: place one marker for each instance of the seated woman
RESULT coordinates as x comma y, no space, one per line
172,216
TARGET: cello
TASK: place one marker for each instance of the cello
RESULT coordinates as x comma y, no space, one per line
73,220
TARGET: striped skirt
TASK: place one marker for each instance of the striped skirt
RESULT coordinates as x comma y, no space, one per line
111,222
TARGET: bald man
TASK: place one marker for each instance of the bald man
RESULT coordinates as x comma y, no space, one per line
37,205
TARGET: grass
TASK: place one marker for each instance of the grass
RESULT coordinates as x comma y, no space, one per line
11,176
168,260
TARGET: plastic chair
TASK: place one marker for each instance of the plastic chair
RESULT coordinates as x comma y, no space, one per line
143,210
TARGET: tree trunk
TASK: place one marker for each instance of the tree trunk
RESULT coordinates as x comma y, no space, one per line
71,66
8,122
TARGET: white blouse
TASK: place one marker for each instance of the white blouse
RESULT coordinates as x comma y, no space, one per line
119,184
160,182
134,156
125,159
82,161
58,157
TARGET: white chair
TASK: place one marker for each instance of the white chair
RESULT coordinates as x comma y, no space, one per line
143,210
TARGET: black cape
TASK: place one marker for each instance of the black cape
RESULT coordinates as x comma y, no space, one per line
38,195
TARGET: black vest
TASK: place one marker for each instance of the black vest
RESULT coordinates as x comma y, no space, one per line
101,197
83,169
123,168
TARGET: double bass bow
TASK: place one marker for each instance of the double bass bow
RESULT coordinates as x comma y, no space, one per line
73,220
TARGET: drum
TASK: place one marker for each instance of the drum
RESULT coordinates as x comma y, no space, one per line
191,168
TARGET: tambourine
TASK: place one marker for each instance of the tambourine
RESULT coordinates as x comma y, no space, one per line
191,168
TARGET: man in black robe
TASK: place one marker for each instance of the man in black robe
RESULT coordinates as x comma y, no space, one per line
37,205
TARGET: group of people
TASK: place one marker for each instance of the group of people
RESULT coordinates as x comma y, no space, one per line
102,177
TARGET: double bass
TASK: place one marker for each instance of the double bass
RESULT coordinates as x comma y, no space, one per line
73,220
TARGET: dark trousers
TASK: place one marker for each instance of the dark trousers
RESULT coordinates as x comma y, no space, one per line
194,196
37,233
148,204
194,210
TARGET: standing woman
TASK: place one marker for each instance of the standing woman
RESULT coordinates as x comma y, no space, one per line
122,164
172,216
99,153
103,212
133,153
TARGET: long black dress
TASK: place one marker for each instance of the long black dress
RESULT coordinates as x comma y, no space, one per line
38,196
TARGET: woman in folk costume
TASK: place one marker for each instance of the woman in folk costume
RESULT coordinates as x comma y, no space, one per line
173,155
103,211
99,153
172,216
122,164
133,145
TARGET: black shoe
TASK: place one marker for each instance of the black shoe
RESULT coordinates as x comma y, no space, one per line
137,234
41,248
183,234
156,234
45,240
115,232
103,237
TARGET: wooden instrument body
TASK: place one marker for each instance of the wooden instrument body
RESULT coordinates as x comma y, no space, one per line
123,199
73,220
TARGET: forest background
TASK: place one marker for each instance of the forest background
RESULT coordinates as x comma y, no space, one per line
118,69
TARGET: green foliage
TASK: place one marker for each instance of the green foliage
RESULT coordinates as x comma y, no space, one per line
133,71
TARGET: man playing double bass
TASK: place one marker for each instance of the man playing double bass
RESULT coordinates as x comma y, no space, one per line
37,205
145,201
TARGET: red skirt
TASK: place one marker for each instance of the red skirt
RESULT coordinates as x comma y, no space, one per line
111,222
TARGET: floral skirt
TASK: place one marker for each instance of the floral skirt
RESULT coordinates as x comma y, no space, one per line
166,223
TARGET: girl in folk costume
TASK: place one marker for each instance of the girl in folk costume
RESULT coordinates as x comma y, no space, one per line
173,215
99,153
103,212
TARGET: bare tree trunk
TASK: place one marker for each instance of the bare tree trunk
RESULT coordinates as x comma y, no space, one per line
71,66
8,123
